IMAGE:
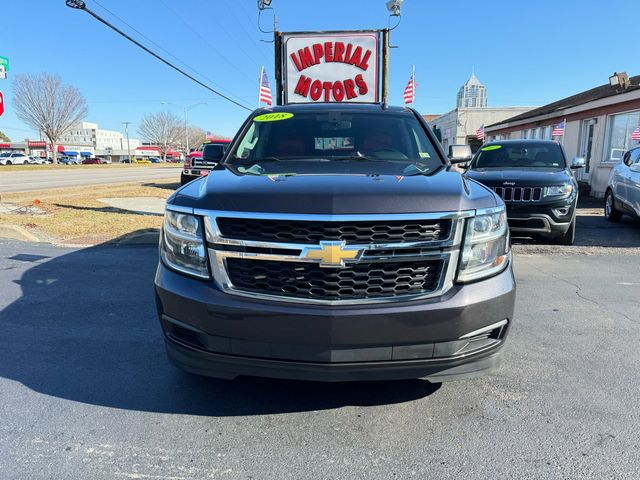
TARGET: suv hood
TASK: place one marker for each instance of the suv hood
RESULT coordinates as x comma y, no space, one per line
334,194
540,177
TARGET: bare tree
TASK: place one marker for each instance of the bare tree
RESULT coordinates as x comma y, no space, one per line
196,136
44,103
163,129
3,137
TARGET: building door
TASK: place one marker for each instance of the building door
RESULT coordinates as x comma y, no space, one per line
586,148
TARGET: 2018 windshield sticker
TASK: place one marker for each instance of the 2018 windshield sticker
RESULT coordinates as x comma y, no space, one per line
491,147
273,117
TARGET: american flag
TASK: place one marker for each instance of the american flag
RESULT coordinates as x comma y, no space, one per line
635,135
410,89
480,133
265,89
558,130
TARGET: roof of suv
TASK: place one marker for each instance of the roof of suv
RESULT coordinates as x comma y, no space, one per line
348,107
522,140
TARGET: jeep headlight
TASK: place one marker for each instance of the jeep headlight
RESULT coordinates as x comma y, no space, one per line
182,246
485,250
559,190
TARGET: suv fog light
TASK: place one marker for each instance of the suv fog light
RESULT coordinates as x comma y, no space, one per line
561,212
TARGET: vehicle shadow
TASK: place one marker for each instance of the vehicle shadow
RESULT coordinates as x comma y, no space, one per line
108,210
84,328
166,186
592,230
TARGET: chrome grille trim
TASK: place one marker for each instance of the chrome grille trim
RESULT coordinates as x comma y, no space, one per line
519,194
447,250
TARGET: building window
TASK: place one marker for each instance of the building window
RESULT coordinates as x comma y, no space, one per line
618,136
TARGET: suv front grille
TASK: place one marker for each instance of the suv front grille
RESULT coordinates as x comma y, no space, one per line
355,281
354,233
519,194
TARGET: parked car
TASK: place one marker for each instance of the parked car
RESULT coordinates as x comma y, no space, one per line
92,161
623,188
333,243
66,160
536,183
200,162
37,160
155,160
14,158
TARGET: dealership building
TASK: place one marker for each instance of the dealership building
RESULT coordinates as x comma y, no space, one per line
599,123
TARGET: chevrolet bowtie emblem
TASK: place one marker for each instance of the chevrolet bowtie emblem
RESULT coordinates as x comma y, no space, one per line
332,254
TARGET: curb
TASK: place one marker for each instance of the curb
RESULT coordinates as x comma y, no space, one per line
151,237
15,232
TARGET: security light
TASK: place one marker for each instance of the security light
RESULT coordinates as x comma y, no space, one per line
394,7
262,4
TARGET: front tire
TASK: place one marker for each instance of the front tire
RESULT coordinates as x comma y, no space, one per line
611,214
9,162
184,179
570,236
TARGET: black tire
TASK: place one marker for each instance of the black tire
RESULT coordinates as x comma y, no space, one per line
9,162
570,236
611,214
184,179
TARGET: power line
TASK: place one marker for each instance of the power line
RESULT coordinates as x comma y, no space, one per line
205,40
80,5
162,48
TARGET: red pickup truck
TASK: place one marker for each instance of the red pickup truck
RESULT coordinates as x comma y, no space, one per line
196,166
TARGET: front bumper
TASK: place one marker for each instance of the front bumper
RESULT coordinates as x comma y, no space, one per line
212,333
195,172
548,218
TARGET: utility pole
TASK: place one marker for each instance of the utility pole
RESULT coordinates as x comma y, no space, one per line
126,131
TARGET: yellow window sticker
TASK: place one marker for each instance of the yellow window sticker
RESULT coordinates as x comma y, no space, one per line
273,117
424,155
491,147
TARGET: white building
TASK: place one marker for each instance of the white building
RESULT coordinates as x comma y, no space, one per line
87,137
599,123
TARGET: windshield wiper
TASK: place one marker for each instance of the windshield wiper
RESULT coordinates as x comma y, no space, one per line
244,161
357,156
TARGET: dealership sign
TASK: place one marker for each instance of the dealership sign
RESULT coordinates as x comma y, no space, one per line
331,67
1,104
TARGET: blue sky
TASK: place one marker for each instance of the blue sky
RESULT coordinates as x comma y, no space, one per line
525,52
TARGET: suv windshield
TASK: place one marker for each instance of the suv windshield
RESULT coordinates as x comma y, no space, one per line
336,137
519,155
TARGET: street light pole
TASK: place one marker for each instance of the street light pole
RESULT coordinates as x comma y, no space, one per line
186,119
126,131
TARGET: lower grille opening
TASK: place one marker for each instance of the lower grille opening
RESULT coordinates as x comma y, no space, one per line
356,281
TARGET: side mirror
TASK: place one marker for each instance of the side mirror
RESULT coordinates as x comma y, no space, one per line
460,153
578,162
212,153
635,167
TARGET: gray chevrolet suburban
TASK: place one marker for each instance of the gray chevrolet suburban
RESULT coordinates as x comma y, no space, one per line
334,243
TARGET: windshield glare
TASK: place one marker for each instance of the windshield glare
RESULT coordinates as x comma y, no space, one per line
338,136
520,154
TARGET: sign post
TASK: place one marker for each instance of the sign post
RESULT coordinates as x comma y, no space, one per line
335,67
4,67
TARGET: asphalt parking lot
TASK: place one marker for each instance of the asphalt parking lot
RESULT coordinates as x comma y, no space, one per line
86,390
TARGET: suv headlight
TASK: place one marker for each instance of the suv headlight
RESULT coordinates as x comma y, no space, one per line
182,246
559,190
485,250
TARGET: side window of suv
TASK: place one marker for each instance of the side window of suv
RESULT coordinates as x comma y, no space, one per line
635,156
627,159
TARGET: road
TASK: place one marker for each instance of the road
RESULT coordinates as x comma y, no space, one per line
86,390
26,180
